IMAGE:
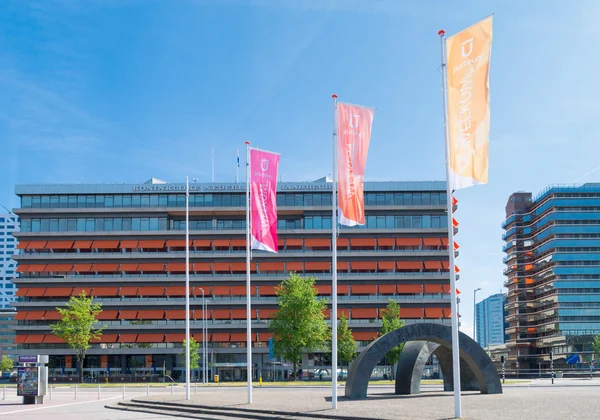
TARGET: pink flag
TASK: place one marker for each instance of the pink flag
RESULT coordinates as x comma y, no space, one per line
354,134
263,199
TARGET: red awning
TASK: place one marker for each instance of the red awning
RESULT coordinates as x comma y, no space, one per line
151,291
220,337
266,291
387,289
108,314
266,313
408,242
220,291
105,291
177,243
409,288
128,314
317,242
127,338
151,314
59,244
220,314
150,338
363,242
129,244
57,292
112,244
293,242
364,289
386,241
151,267
432,242
151,243
364,313
294,266
409,265
82,245
413,313
174,338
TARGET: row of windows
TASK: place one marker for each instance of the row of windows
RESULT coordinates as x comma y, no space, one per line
107,224
222,200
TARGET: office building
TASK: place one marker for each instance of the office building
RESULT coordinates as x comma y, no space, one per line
553,274
489,320
124,244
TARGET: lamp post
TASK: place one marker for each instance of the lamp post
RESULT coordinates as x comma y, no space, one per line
475,313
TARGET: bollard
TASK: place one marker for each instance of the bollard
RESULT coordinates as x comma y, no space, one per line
98,390
51,391
4,393
195,387
260,380
147,389
75,391
123,391
171,388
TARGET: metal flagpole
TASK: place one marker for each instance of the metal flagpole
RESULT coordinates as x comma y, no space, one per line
453,303
213,164
203,335
237,168
333,316
187,289
205,338
248,246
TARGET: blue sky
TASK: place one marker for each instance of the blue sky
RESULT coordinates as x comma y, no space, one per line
120,91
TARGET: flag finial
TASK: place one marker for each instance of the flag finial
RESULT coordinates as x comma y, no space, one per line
334,96
441,32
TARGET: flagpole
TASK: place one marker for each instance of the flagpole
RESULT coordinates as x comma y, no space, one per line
237,167
213,164
248,247
453,303
333,316
187,290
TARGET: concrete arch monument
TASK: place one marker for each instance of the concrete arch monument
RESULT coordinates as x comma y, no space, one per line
472,356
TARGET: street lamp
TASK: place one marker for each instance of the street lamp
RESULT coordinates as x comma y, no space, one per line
475,313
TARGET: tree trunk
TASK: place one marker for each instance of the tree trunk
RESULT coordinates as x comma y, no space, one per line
294,371
80,358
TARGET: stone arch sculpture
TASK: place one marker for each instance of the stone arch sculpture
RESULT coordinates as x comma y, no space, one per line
472,355
412,362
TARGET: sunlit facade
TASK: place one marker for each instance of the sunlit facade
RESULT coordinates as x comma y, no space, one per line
124,244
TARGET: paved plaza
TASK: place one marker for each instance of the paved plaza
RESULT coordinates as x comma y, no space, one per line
568,398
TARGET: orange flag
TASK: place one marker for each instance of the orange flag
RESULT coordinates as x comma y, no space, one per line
468,65
354,134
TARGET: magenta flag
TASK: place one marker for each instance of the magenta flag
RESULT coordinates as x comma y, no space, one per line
263,199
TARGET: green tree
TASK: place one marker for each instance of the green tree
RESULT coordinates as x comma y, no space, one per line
390,321
299,324
6,364
194,353
77,325
596,346
346,345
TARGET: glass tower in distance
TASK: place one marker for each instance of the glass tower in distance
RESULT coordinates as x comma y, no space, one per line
553,274
489,315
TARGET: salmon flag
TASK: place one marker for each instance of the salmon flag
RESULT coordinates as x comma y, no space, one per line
263,199
468,56
354,134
